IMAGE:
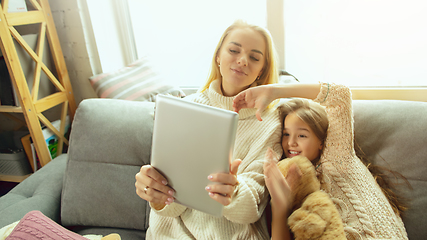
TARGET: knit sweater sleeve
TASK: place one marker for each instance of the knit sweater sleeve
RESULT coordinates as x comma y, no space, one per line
364,209
173,210
338,103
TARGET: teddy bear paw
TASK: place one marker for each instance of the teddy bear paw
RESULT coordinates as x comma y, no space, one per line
306,225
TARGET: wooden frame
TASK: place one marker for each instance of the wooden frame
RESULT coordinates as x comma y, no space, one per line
407,94
30,106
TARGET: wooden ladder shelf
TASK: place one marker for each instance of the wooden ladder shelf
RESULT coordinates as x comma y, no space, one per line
30,106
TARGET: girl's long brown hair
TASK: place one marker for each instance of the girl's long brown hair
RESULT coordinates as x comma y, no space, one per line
388,180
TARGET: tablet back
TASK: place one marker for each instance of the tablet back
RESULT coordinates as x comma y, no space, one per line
191,141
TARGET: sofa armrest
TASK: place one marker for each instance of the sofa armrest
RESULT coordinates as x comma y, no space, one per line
109,142
41,191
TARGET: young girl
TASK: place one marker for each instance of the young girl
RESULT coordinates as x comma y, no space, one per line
364,209
304,133
243,58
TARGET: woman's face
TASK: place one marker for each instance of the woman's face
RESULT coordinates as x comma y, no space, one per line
241,59
299,139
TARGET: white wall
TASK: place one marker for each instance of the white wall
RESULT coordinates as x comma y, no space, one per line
67,15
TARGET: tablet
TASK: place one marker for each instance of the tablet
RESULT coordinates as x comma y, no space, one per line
190,142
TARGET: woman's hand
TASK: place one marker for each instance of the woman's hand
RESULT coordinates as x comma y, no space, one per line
152,186
280,188
261,96
256,97
226,184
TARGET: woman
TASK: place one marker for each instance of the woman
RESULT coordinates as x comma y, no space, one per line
244,57
365,210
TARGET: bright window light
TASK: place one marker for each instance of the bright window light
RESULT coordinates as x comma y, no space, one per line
357,42
180,37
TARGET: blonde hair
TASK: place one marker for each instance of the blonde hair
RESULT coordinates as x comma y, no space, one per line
270,73
311,113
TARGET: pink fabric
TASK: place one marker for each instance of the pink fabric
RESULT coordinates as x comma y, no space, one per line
144,92
124,82
137,82
34,225
99,77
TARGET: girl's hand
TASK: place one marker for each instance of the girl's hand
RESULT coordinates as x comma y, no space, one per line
256,97
280,188
152,186
226,184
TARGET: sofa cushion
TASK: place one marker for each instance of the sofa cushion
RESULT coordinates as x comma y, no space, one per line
137,81
397,141
40,191
109,142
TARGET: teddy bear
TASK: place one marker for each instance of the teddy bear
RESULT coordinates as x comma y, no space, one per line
314,214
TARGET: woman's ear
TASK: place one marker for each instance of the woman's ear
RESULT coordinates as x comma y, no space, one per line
217,59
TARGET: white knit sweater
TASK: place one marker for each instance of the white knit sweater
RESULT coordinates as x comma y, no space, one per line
365,211
243,218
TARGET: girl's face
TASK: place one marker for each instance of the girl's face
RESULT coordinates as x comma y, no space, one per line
299,139
241,59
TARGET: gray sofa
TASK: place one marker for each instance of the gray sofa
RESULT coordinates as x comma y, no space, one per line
91,189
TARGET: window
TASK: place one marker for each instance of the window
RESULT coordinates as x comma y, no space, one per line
180,37
357,42
361,43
